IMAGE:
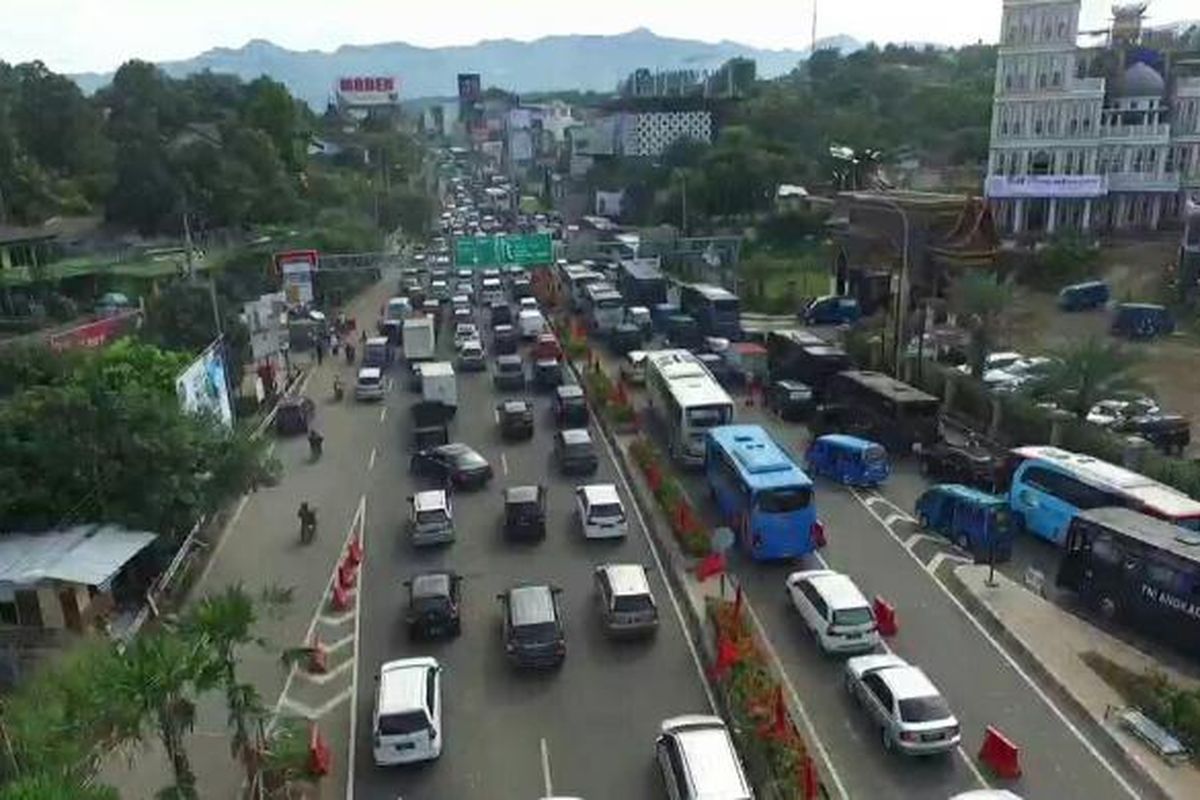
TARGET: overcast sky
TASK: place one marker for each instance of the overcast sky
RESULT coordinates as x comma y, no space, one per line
85,35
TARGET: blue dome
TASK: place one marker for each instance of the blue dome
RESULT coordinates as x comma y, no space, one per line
1141,80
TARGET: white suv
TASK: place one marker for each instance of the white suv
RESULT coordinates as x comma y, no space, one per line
601,513
834,610
407,724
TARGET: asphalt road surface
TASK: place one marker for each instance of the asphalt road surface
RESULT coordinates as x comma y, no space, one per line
584,730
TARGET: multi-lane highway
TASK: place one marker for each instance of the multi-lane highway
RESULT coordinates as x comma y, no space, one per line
584,730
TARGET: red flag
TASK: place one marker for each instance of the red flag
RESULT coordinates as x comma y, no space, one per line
810,779
781,724
727,656
711,564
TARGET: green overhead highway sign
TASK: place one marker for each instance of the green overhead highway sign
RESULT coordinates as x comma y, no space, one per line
492,251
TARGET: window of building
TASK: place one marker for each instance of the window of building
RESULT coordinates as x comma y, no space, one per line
1062,29
1008,81
1136,164
1057,79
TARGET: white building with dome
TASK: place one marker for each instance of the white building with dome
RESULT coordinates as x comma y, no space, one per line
1090,138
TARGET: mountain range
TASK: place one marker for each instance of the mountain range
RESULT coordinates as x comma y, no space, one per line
552,63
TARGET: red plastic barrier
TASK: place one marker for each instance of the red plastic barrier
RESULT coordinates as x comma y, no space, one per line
347,575
340,601
885,617
817,531
355,552
320,758
318,656
1000,754
811,784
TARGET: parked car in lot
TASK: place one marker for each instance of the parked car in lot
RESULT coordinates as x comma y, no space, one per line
1170,433
509,373
951,463
601,513
516,419
455,462
431,518
407,723
912,715
1083,296
833,609
533,626
434,600
1108,413
525,512
627,605
1142,321
570,406
575,452
697,760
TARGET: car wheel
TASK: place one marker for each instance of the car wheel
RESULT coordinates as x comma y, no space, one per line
923,521
963,542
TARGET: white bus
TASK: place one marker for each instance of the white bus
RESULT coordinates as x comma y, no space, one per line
576,283
603,306
688,400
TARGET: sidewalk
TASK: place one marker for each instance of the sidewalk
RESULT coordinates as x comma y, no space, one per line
258,549
1054,640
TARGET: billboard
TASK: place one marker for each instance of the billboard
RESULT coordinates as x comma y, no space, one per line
490,251
368,90
1003,186
296,268
203,388
98,333
264,318
469,87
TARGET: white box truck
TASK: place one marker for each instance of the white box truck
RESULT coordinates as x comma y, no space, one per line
419,338
438,384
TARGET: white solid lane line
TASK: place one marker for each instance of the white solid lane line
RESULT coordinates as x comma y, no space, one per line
371,461
383,414
362,540
547,784
504,463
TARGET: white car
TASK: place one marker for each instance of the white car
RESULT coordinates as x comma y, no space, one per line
1000,361
407,723
912,715
471,357
601,513
369,385
834,610
465,332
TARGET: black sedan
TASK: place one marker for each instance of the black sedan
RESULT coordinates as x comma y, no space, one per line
965,464
434,601
454,462
516,419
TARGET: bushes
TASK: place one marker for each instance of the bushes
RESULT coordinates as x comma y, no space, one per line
688,530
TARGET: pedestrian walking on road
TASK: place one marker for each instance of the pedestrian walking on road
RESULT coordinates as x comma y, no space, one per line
320,352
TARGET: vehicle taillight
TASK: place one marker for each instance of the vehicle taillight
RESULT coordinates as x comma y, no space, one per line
817,532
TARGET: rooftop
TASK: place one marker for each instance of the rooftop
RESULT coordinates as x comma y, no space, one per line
85,554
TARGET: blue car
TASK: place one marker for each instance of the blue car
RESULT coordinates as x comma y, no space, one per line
848,460
976,521
1142,321
832,310
1083,296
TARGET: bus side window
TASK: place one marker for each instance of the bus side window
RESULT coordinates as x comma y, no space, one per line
1103,550
1163,575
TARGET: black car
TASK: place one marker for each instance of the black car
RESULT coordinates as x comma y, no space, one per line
434,600
505,340
502,315
570,406
791,400
427,436
533,627
625,337
547,373
575,452
965,464
1170,433
525,512
454,462
509,373
516,419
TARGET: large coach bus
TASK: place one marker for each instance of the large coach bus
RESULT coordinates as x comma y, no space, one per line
1051,486
688,400
891,412
761,492
802,356
1140,570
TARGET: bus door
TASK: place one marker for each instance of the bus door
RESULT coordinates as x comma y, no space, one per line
1074,566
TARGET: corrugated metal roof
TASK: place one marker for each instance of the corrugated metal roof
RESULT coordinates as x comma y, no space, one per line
85,554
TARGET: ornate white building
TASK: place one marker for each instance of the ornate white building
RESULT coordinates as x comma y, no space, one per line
1089,138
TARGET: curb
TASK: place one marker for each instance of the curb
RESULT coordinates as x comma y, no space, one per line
1109,744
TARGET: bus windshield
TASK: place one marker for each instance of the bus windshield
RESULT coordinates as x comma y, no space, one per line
728,306
783,501
707,416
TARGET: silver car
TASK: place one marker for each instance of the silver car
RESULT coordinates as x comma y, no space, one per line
912,715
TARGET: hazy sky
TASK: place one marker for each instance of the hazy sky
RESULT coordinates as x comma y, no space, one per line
82,35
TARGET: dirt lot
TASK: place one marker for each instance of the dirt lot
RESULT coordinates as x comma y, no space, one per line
1171,366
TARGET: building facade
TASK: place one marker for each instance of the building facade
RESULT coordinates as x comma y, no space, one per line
649,133
1104,138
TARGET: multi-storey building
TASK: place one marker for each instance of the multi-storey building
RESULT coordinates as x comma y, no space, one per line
1104,138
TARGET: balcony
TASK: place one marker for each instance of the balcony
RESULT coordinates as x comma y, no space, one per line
1150,134
1142,182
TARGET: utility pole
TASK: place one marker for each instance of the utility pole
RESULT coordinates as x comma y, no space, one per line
191,269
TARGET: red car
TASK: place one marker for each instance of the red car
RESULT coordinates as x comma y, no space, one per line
547,347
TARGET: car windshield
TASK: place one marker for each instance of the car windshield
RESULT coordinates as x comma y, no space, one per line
607,511
468,458
924,709
632,603
580,450
431,517
404,724
783,501
852,616
536,632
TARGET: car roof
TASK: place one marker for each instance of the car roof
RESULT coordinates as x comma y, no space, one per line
707,747
595,493
402,684
508,358
569,390
626,579
522,494
515,406
377,340
530,605
902,679
370,372
837,589
430,500
432,584
576,436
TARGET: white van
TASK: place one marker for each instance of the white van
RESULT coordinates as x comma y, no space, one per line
833,608
407,723
419,338
438,383
530,323
696,756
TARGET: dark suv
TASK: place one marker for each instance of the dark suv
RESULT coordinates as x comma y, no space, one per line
525,512
509,373
949,463
516,419
570,406
533,627
433,605
575,452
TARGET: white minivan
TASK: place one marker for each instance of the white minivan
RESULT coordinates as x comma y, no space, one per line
834,609
530,323
407,724
601,513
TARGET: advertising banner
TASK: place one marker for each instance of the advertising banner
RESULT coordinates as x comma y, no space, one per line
264,318
203,387
469,87
1068,186
98,333
362,90
296,268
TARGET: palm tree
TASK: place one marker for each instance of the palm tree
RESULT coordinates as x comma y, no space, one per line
1085,372
983,301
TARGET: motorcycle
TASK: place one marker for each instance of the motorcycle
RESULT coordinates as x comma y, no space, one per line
338,389
315,444
308,523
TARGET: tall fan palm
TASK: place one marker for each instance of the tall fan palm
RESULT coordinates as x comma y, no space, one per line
1088,371
983,301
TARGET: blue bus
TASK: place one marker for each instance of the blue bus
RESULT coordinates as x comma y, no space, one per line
717,310
761,492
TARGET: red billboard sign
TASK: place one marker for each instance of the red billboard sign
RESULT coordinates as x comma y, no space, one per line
368,90
367,84
95,334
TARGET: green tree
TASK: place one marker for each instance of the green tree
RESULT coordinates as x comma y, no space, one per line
55,786
983,301
1088,371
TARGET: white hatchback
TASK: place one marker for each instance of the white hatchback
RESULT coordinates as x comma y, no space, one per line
601,513
834,610
407,724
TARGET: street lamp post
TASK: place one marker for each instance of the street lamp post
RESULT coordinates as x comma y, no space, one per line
902,287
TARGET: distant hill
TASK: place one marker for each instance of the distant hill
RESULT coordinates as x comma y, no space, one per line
552,63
